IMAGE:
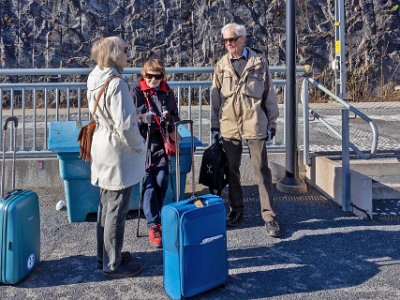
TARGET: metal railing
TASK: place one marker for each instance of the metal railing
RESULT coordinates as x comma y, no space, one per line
42,102
307,110
344,136
38,103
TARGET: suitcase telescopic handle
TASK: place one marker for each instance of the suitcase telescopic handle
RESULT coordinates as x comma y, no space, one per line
15,121
10,119
177,160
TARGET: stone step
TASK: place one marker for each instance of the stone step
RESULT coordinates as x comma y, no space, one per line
384,173
369,180
383,166
385,187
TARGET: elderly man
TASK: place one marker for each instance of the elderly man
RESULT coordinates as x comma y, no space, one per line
244,107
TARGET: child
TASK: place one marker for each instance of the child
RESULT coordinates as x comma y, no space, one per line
157,113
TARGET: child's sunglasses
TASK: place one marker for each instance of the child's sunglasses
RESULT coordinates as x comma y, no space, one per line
155,76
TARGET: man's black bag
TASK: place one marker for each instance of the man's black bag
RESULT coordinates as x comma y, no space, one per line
214,168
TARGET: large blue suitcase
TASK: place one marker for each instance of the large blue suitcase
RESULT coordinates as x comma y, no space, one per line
194,241
19,235
194,244
19,228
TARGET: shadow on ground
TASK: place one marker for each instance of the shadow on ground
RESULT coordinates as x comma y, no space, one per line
322,249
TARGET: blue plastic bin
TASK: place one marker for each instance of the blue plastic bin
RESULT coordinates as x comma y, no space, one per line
81,196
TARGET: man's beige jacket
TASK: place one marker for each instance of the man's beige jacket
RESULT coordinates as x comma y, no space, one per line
243,107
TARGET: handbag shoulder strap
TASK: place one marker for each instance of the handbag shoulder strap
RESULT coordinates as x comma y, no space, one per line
105,85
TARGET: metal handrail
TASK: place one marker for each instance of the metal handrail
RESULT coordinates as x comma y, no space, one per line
126,71
86,71
347,205
306,110
82,85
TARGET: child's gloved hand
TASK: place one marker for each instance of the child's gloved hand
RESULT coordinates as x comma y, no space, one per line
165,115
148,117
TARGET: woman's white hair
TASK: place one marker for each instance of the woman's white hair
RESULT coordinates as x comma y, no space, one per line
106,52
238,29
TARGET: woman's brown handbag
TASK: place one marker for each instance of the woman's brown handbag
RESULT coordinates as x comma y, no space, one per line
85,136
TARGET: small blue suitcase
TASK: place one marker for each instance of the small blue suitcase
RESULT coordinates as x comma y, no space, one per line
194,244
19,227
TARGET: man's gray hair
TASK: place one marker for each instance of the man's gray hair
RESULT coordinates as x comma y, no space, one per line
238,29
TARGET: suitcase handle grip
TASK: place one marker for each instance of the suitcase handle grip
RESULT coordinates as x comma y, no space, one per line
11,119
183,122
201,201
15,120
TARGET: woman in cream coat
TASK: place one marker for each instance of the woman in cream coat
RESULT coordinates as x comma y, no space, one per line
118,155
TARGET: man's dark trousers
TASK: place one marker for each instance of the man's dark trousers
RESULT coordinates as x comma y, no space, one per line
258,154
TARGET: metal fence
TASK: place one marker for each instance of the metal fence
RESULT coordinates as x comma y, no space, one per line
41,101
35,104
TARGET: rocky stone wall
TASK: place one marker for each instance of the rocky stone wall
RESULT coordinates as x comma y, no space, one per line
59,33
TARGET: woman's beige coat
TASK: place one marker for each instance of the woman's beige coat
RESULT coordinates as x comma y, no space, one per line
118,150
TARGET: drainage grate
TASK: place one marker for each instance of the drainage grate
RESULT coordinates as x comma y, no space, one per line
388,218
386,210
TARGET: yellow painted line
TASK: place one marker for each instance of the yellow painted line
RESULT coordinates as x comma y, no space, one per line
337,47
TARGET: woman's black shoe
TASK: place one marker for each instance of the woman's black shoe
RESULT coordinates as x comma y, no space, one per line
127,270
233,219
126,258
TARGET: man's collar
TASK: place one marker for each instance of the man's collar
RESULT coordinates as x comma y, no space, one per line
245,54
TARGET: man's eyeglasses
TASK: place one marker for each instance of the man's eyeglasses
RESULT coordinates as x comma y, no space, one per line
155,76
231,40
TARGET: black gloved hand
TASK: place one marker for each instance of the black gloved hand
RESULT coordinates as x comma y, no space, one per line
215,134
273,132
270,134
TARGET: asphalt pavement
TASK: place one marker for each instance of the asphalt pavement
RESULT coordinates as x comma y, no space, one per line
324,253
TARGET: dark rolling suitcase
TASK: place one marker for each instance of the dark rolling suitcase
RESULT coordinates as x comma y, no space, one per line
19,226
194,243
